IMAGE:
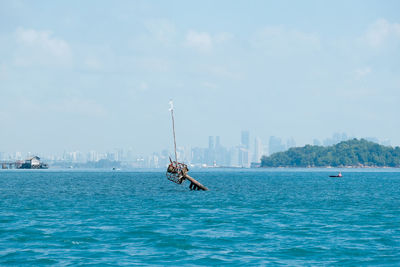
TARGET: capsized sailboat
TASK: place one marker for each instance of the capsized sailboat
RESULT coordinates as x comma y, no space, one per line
177,172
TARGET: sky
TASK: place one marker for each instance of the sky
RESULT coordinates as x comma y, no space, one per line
98,75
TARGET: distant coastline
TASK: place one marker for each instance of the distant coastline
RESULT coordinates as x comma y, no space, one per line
349,154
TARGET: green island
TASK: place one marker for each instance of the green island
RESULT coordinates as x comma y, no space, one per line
352,153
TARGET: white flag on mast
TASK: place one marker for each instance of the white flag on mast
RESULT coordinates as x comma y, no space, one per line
171,105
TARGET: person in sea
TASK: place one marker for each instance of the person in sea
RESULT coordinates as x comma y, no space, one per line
340,174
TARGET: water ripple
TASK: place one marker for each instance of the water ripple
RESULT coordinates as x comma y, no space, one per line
247,218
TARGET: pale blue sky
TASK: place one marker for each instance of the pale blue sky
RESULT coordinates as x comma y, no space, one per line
81,75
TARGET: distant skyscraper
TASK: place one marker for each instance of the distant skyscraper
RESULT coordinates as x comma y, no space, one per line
245,139
92,156
258,150
244,157
211,142
18,155
131,156
217,142
336,138
210,152
198,155
339,137
290,143
120,154
234,156
275,145
316,142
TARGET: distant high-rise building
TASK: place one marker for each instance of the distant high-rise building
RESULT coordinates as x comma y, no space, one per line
198,155
258,150
211,142
316,142
18,156
336,138
234,156
217,142
92,156
153,161
112,156
339,137
188,153
244,157
210,152
275,145
245,139
163,159
130,156
120,155
290,143
80,157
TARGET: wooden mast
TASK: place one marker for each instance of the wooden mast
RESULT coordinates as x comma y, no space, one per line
173,127
194,185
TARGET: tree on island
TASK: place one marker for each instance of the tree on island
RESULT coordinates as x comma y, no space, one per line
351,153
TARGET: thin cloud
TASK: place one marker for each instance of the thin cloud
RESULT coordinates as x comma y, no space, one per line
381,31
93,63
143,86
199,40
223,37
204,41
84,107
362,72
223,72
210,85
3,71
40,47
280,38
155,64
162,30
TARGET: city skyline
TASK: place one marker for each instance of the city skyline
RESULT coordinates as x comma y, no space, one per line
215,154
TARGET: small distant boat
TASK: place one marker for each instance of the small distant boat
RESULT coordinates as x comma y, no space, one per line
337,176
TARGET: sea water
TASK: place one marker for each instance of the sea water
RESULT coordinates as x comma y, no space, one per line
249,217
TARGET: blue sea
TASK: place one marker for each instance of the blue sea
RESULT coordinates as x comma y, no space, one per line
249,217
